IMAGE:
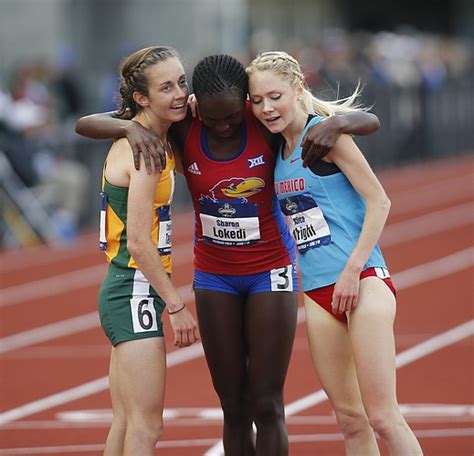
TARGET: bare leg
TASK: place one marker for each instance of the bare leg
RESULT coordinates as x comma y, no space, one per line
116,436
331,353
270,332
221,325
141,366
371,333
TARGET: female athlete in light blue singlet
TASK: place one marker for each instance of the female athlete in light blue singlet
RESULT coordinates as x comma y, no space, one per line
336,210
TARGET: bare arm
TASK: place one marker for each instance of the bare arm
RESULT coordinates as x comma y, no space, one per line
142,140
140,245
347,156
321,137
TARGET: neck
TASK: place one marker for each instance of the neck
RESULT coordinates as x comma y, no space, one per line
293,131
158,126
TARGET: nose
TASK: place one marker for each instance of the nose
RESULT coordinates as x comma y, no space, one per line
182,91
267,106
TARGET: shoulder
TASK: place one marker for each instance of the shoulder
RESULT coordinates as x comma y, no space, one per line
119,163
120,152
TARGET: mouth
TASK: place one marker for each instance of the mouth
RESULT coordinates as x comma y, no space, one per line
178,107
271,120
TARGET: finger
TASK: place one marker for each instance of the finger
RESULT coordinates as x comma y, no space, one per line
310,154
341,307
305,143
184,338
344,304
177,339
136,157
157,160
323,151
148,165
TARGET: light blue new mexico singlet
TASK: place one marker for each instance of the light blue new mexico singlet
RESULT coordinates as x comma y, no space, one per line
325,215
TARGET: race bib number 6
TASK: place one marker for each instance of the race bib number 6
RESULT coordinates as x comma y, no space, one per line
143,315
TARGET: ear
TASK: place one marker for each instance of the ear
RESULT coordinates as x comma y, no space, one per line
140,99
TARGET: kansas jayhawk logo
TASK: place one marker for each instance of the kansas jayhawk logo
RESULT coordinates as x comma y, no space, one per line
237,187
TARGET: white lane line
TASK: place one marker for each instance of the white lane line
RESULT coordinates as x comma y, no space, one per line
87,389
411,229
450,264
190,443
44,404
74,280
64,327
208,417
424,225
421,433
421,350
428,271
431,194
84,245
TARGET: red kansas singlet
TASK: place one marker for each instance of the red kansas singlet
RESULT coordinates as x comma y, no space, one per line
239,228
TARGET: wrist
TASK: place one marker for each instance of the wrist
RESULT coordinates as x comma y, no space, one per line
175,309
127,127
354,267
340,122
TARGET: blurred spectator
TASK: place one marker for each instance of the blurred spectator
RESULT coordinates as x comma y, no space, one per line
29,127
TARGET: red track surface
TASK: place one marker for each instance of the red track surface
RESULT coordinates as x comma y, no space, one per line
429,233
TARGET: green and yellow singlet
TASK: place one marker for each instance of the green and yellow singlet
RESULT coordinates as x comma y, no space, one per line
113,223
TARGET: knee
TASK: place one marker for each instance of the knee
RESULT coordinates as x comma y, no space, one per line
268,409
386,423
352,422
146,428
235,409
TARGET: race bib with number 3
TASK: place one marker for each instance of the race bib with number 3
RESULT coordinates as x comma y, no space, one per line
282,278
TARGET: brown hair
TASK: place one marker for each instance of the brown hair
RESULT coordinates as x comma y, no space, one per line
133,78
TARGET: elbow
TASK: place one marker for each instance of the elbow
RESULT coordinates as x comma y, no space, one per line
80,128
385,204
135,247
374,123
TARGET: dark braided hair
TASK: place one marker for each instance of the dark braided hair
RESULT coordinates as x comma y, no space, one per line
220,73
133,78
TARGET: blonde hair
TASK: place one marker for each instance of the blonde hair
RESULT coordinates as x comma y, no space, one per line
288,68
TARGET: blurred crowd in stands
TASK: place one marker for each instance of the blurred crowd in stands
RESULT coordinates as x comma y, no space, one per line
41,100
37,113
406,58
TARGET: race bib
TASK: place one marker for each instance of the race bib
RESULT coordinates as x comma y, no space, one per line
164,232
229,223
306,222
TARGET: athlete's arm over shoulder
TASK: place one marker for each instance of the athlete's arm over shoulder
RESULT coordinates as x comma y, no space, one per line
321,137
108,125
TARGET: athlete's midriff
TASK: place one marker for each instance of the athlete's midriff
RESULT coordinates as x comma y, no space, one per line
239,228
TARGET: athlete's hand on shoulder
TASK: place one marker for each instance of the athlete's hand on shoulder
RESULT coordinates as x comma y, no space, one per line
320,139
146,142
193,104
184,327
346,291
